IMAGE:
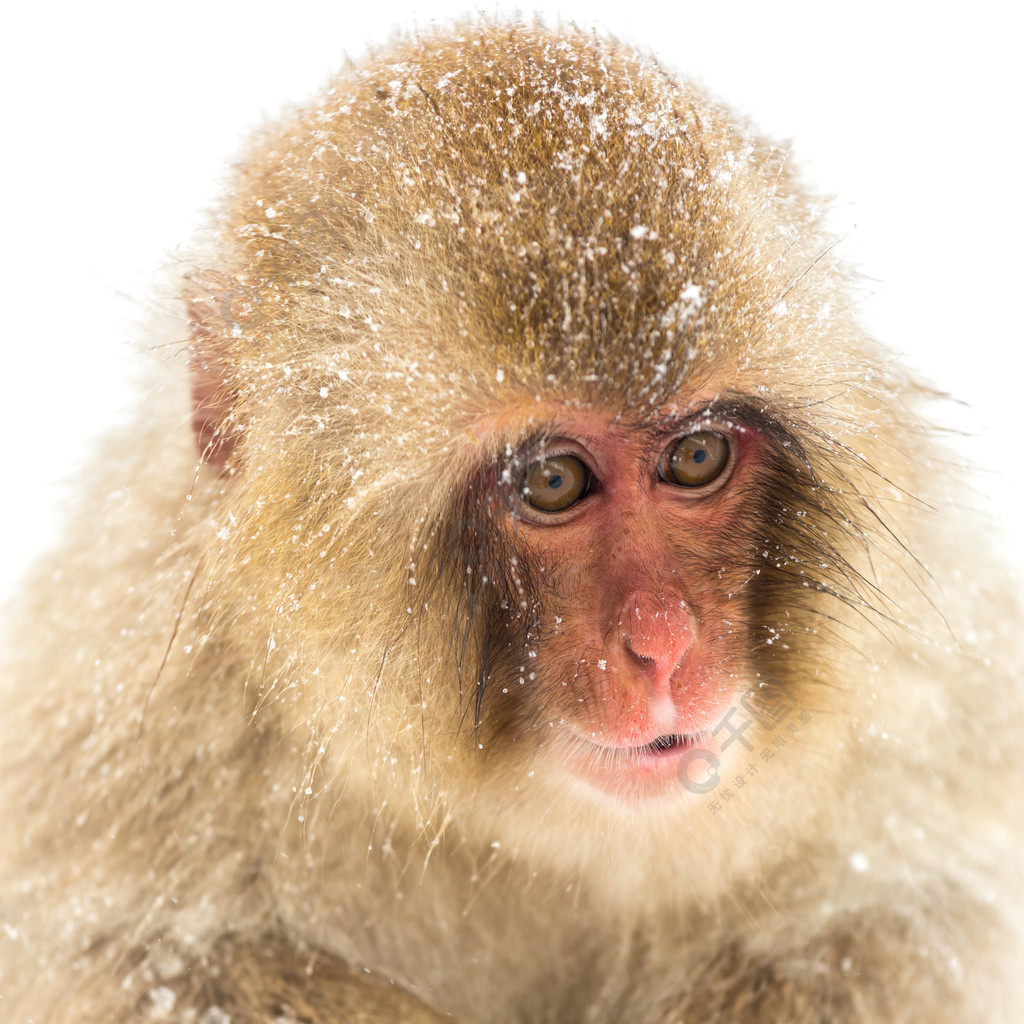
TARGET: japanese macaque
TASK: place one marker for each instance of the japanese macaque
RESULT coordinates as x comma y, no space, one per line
529,597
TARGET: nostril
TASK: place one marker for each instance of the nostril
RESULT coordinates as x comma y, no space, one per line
656,630
644,659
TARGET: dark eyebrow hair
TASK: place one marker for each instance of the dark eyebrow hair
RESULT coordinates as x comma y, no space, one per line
748,411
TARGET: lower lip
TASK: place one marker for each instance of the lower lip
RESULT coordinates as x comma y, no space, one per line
632,772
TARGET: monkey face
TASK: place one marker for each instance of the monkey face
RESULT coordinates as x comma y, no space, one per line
626,551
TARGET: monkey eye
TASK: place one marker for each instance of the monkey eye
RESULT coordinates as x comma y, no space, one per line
695,460
555,483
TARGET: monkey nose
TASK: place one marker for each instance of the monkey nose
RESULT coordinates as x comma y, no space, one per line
658,632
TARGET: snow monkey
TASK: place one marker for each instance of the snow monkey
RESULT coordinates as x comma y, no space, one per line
530,597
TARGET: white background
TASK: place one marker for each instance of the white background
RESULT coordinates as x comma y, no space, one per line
121,119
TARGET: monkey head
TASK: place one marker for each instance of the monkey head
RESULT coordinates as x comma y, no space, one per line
532,371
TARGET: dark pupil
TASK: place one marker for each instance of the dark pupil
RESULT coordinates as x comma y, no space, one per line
699,455
555,480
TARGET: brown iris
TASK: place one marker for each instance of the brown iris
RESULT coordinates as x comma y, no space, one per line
555,484
695,460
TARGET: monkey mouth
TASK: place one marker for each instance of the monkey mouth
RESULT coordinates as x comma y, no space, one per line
623,757
630,771
660,748
662,745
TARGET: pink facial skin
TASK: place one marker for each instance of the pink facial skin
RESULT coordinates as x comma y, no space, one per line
643,621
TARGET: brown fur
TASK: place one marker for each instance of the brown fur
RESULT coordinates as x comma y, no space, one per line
256,759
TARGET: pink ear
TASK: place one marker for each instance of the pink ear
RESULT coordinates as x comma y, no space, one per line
214,395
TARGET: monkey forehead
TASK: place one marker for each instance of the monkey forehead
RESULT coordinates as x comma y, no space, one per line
550,199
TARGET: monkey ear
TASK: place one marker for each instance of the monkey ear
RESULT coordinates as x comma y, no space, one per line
215,309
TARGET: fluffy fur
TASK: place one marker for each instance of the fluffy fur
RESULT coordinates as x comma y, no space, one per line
269,738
